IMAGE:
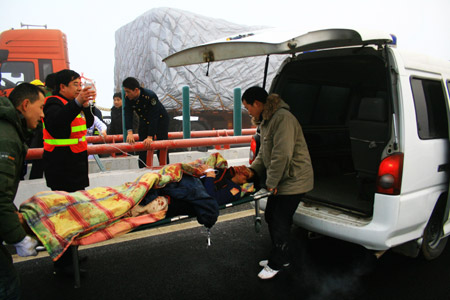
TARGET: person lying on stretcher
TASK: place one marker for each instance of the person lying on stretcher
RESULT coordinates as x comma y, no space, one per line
199,197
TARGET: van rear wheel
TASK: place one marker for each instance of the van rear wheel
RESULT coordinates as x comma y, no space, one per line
433,244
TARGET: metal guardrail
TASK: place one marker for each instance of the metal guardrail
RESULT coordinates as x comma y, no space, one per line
212,138
173,135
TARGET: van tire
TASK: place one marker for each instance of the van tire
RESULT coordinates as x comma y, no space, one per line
433,244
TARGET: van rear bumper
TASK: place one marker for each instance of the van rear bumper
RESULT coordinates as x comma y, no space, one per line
388,227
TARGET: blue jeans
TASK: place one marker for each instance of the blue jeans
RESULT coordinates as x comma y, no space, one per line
9,279
278,215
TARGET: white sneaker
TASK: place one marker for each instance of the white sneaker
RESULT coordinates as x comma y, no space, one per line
267,273
264,263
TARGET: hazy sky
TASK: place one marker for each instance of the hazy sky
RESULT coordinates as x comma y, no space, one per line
90,25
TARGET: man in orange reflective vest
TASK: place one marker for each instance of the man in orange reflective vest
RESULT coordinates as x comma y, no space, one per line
67,116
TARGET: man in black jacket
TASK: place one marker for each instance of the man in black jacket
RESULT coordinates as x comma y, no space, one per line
68,114
65,150
153,117
17,118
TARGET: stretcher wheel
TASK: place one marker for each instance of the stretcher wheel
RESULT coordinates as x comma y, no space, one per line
257,224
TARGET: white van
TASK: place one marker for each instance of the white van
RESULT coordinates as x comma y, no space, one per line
376,122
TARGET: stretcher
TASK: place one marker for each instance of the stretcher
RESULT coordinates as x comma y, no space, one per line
255,197
62,221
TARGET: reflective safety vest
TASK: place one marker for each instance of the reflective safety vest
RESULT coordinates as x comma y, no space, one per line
77,139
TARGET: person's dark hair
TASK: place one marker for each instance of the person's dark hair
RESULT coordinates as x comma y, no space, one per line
50,81
255,93
119,95
131,83
65,77
25,91
221,175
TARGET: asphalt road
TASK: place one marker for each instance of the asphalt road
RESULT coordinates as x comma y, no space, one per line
179,265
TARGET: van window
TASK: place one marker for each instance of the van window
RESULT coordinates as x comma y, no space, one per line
14,72
431,111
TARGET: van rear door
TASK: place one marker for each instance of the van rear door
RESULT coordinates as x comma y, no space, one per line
446,221
274,41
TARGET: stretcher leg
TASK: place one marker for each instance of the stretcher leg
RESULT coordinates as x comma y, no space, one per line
257,217
76,266
262,193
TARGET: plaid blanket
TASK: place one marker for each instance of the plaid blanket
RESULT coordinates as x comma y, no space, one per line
60,219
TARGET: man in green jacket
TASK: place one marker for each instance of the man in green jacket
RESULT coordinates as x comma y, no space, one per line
18,116
284,163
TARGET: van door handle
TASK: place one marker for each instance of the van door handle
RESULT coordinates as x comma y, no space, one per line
444,167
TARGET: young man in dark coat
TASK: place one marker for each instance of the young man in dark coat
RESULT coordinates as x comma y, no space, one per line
153,117
18,116
283,161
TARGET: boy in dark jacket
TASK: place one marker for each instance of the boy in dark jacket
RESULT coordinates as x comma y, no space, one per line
116,126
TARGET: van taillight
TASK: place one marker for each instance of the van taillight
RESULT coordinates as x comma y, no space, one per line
252,154
389,179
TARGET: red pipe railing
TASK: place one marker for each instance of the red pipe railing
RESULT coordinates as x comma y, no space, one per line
163,146
173,135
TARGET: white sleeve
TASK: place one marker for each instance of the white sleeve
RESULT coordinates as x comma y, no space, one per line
99,124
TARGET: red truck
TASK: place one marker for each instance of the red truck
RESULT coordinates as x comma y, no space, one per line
29,54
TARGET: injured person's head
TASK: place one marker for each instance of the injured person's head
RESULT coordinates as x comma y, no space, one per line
240,174
158,204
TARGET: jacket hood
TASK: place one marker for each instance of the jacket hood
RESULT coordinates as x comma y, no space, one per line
273,103
9,113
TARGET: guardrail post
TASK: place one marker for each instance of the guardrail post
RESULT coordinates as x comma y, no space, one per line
163,156
237,112
149,160
186,114
123,116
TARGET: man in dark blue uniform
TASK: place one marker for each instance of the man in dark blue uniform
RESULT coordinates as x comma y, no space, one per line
153,117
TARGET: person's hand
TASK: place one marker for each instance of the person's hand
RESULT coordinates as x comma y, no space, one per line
251,174
103,133
130,138
147,142
203,168
87,94
211,173
273,190
26,247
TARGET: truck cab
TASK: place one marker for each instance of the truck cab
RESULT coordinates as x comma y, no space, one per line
29,54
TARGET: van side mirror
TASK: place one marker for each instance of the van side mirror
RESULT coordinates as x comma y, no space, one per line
3,55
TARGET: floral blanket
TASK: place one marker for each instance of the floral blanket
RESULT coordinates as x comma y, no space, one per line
60,219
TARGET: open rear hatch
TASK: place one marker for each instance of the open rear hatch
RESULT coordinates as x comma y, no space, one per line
274,41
